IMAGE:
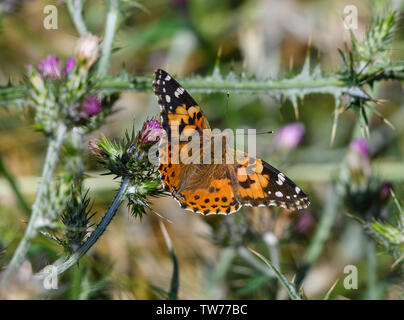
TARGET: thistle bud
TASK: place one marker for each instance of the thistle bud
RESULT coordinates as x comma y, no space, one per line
86,51
95,149
69,66
50,67
151,132
358,159
90,106
35,79
289,136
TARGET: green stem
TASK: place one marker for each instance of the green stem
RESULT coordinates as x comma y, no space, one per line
75,8
322,233
13,184
248,257
206,85
63,264
371,270
109,34
34,223
291,290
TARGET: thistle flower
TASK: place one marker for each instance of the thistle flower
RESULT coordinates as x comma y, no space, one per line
69,66
358,159
289,136
86,51
151,132
90,106
50,67
305,223
384,191
95,149
360,146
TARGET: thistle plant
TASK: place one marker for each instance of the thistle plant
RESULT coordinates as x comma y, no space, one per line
72,97
62,101
127,160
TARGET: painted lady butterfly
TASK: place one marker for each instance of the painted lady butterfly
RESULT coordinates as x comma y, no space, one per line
210,188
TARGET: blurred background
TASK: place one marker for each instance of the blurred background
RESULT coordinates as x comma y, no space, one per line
258,37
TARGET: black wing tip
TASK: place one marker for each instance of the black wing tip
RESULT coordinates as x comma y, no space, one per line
158,73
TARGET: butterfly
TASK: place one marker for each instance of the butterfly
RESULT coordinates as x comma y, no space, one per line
211,187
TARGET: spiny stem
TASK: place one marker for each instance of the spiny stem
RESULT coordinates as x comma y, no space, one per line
14,186
52,154
65,263
109,34
75,9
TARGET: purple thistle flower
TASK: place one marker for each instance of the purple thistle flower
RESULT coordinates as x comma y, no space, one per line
358,158
360,146
95,149
384,191
91,106
50,67
289,136
69,66
151,132
305,223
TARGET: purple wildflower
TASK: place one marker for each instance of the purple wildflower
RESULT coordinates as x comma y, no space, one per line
91,106
289,136
385,190
358,158
360,146
50,67
95,149
305,223
69,66
151,132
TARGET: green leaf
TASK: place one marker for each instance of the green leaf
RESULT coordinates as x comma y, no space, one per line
290,288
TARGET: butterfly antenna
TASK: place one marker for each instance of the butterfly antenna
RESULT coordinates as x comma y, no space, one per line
265,132
227,108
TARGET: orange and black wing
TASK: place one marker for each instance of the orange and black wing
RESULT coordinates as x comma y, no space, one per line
257,183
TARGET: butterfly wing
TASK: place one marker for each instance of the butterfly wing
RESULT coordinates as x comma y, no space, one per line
178,108
257,183
213,188
196,187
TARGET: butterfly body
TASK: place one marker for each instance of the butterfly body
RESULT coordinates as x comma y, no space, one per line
208,181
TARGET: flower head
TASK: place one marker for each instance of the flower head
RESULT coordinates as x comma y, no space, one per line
95,149
69,66
50,67
358,159
385,191
289,136
90,106
305,223
151,132
360,146
86,50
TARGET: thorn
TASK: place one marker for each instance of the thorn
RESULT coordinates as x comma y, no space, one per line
309,42
380,101
291,62
389,123
334,127
266,132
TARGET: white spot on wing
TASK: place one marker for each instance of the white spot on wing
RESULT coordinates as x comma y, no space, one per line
279,194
